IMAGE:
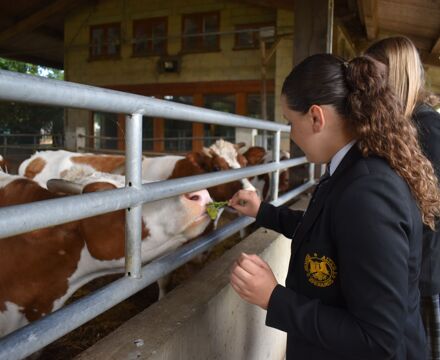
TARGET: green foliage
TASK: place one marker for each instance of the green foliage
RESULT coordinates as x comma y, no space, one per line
20,118
213,207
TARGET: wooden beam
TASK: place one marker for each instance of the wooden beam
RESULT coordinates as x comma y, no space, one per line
436,48
37,19
278,4
313,29
368,11
429,58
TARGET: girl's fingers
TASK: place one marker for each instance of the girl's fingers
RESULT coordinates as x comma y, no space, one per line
237,281
259,261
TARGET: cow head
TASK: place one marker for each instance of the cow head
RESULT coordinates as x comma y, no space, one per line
167,223
223,155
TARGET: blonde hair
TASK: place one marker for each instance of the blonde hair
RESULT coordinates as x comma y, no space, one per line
405,70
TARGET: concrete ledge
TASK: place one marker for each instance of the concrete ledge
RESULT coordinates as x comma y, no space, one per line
204,318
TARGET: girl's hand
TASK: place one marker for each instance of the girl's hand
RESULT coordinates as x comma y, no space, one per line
246,202
253,280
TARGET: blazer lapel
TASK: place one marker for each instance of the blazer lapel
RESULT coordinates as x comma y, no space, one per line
315,208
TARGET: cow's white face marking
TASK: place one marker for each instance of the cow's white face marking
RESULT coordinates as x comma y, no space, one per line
227,151
12,318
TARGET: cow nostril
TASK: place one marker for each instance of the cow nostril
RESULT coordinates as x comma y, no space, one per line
193,197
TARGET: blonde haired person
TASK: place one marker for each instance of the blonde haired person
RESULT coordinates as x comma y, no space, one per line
351,290
406,77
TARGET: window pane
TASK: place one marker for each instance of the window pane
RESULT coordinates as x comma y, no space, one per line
190,26
210,26
140,35
105,128
178,134
113,40
254,106
147,134
246,39
97,41
158,35
225,103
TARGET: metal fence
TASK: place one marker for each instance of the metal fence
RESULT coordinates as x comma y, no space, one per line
19,219
30,142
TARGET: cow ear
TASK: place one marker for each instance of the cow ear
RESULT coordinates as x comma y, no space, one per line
57,186
200,160
98,186
207,151
242,160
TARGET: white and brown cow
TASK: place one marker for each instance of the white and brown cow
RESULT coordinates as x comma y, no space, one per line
222,155
257,155
41,269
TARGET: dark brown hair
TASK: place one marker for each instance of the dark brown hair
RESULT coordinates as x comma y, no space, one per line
359,92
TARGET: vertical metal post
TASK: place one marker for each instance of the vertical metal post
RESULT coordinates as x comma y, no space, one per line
330,18
133,215
276,158
311,171
263,88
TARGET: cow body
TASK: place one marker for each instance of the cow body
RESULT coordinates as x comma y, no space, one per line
222,155
41,269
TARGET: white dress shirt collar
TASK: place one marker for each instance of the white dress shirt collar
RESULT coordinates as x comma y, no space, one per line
337,158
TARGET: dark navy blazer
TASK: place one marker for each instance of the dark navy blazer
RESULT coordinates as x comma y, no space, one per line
427,121
352,285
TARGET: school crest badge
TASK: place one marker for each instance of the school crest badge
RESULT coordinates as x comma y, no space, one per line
320,271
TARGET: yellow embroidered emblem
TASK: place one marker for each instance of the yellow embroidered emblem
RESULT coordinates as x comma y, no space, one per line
320,271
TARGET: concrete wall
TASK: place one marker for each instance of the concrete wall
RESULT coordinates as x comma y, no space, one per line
204,318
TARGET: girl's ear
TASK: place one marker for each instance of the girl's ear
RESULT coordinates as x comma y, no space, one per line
318,118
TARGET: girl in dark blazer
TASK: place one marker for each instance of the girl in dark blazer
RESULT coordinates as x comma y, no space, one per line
406,78
352,285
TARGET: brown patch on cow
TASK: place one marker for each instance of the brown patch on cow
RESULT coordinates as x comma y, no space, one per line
34,167
255,155
242,160
21,191
30,261
105,234
196,163
103,163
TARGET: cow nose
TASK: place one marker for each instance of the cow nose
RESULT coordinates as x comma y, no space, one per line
202,197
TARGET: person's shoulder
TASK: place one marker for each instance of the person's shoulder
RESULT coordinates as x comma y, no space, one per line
372,174
425,115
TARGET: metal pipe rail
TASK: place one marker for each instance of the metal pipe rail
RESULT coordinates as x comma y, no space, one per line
18,219
33,89
36,335
27,217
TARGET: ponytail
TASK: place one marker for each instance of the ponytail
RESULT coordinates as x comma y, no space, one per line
359,92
